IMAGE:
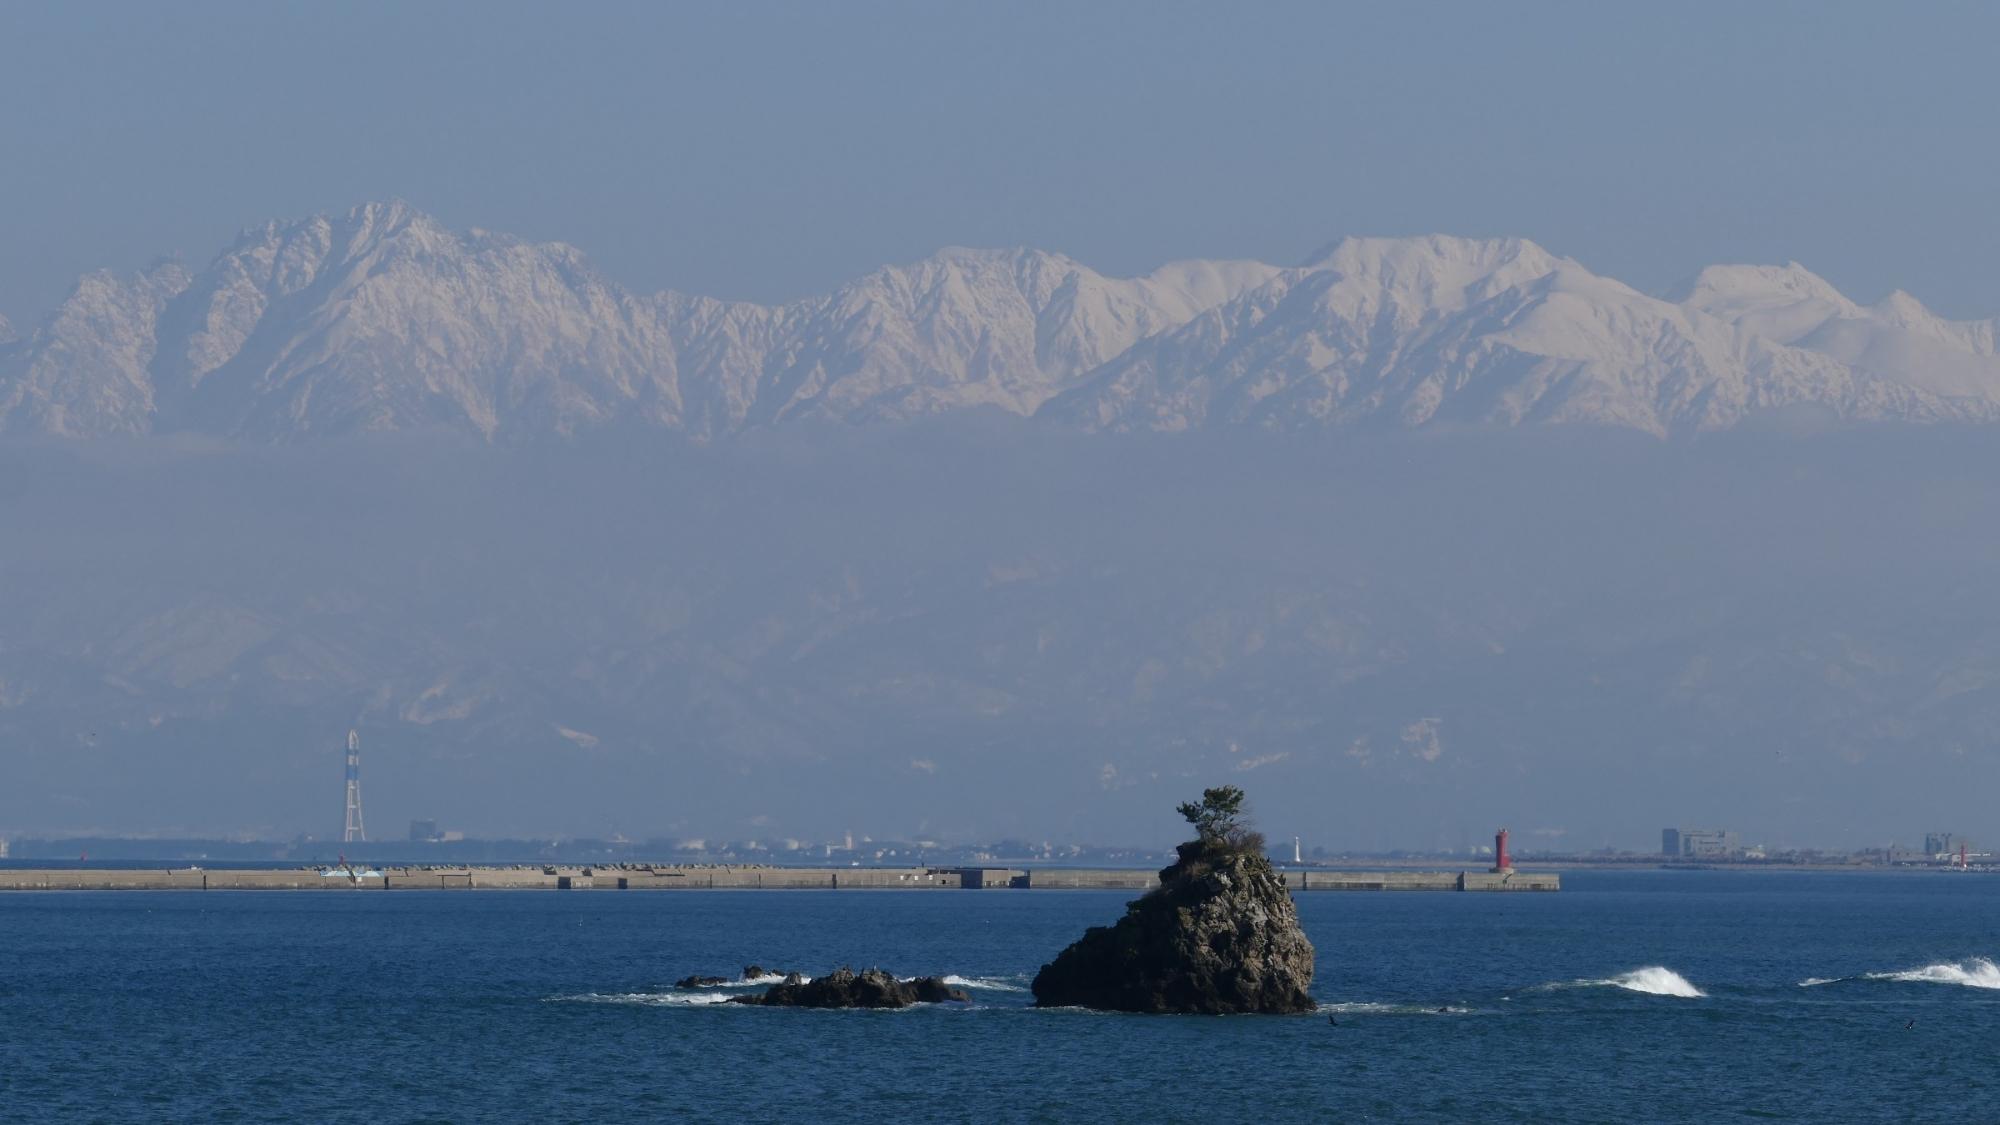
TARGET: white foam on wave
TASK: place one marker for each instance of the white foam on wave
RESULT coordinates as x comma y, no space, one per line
1815,982
1374,1008
722,992
1979,972
761,980
1654,980
661,999
987,983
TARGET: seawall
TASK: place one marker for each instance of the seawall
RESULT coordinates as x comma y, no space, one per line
665,878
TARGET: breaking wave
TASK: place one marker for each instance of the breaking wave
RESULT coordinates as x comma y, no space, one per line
1654,980
656,999
1976,972
1372,1008
1979,972
988,984
761,980
722,992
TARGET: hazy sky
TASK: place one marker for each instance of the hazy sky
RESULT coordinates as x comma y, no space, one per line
769,150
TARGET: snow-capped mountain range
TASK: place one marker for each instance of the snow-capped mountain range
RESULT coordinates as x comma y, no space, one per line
383,319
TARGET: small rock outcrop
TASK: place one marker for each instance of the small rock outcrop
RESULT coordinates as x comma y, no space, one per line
1218,935
845,988
751,973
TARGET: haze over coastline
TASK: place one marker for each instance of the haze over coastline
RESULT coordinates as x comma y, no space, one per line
630,437
978,625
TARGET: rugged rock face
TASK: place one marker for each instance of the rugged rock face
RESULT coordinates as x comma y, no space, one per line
845,988
1218,935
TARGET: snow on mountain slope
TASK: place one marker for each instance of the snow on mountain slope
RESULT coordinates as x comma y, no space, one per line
1412,332
728,345
381,319
84,373
1003,328
1897,339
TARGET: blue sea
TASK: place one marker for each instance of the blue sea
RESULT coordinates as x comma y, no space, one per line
1640,996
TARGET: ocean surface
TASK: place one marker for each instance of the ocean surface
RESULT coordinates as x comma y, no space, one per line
1642,996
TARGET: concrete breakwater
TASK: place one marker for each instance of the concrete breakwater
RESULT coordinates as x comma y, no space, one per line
631,877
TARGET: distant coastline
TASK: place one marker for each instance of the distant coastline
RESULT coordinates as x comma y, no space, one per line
716,877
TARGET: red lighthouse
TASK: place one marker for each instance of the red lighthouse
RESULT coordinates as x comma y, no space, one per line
1502,862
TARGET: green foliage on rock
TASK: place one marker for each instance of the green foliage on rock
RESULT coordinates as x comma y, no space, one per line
1217,814
1221,828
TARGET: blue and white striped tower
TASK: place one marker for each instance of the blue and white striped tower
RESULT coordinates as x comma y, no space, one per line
354,833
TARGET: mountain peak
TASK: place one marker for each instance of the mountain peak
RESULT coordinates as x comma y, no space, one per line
387,214
1435,270
1378,254
989,255
380,317
1901,308
1743,286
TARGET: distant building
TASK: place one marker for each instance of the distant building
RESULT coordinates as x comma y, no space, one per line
1938,843
3,849
1699,843
423,831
